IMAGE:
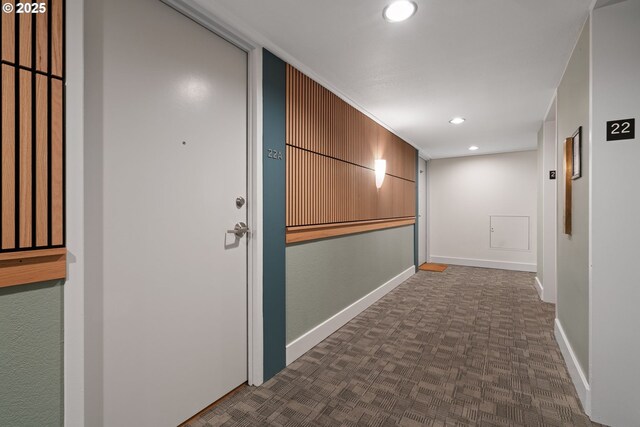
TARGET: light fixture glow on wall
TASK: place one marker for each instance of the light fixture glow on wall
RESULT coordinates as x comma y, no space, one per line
399,11
457,120
381,169
473,148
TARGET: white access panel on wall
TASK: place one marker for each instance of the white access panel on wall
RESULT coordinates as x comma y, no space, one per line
509,232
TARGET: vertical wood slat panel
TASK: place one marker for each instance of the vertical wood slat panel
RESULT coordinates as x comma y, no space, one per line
26,149
287,137
42,38
8,34
323,189
26,20
334,191
8,157
57,197
41,142
291,185
32,177
57,39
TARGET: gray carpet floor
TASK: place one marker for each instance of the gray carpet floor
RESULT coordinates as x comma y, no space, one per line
470,346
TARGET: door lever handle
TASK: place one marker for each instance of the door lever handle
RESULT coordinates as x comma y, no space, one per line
239,230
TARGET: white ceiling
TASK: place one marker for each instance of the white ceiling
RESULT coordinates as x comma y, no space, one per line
494,62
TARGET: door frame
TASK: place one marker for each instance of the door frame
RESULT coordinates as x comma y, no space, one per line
423,237
549,205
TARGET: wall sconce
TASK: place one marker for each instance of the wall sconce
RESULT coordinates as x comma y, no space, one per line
381,169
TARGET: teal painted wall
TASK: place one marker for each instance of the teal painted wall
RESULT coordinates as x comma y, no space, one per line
325,276
305,284
31,355
274,187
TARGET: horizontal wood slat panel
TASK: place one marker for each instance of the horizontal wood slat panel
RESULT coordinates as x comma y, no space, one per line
330,159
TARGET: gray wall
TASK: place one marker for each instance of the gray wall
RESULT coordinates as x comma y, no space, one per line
541,178
573,251
325,276
31,359
616,209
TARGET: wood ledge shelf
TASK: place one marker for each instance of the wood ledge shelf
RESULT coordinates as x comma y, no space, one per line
23,267
315,232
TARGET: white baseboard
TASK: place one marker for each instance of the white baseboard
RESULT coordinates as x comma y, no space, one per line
470,262
310,339
575,371
539,288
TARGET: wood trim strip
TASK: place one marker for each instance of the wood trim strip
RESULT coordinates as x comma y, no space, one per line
18,268
8,256
568,160
304,234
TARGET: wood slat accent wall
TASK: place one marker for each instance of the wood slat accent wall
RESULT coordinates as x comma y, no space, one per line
331,151
32,153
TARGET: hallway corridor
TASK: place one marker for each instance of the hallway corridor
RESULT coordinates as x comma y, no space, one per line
469,346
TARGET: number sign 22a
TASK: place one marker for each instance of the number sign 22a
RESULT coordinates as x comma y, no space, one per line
621,129
274,154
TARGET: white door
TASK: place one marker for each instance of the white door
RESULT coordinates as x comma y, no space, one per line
422,211
175,282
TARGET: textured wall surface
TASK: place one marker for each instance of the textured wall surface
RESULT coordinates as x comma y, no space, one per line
573,251
325,276
31,360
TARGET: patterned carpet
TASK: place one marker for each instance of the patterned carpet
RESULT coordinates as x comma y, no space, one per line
469,346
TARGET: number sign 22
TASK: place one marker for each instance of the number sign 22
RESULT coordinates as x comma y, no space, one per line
621,129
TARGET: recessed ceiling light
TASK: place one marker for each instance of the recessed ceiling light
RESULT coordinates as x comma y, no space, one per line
399,11
473,148
456,120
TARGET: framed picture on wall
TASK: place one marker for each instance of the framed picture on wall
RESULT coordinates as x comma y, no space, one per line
576,164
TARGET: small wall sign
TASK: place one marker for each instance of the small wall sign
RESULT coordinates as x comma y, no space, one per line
274,154
621,129
552,174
